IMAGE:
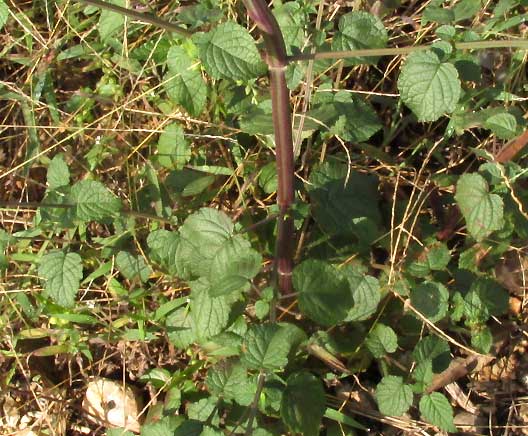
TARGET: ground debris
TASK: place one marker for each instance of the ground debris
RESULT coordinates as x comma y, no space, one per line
112,404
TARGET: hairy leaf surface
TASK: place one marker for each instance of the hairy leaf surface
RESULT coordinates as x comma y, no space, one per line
63,273
394,397
93,201
229,52
324,295
360,30
303,403
428,86
184,82
436,409
482,210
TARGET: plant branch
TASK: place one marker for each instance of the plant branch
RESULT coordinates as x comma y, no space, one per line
277,61
396,51
254,405
147,18
36,205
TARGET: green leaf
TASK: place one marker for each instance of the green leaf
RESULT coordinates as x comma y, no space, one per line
202,234
504,125
346,420
381,340
429,87
504,6
300,415
482,211
184,83
202,409
166,426
4,13
366,294
197,15
437,14
291,21
92,201
159,377
165,249
437,258
210,431
431,300
179,328
229,52
226,344
268,178
173,149
423,374
345,209
465,120
229,380
262,309
63,273
393,396
5,240
446,32
188,183
360,30
435,408
262,432
132,267
235,263
111,22
172,400
467,258
345,115
442,49
255,119
189,428
491,171
475,310
429,347
210,315
492,294
467,9
484,299
58,172
434,349
154,48
457,307
266,346
61,216
468,67
482,340
272,393
324,296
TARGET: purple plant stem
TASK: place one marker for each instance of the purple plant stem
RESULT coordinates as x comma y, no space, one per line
277,60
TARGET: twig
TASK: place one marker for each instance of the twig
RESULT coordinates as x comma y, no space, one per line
510,150
396,51
457,369
254,404
147,18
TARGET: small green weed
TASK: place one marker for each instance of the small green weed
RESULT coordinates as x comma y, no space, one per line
244,211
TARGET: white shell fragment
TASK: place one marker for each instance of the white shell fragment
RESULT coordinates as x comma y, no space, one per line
109,403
